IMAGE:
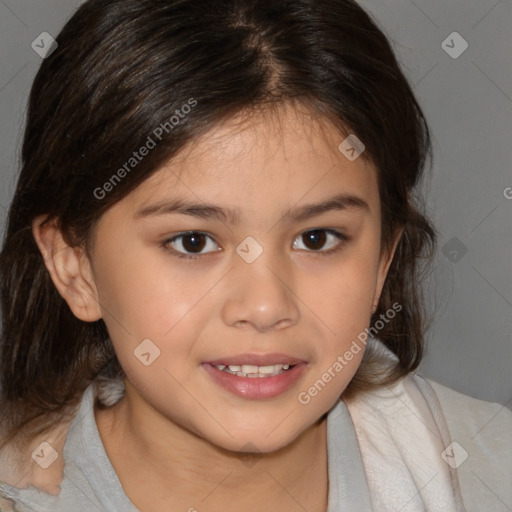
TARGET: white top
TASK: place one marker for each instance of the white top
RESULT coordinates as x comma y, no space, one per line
414,447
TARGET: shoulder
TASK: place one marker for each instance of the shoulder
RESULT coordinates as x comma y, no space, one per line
471,414
480,443
6,506
482,432
37,463
34,473
78,475
486,427
465,442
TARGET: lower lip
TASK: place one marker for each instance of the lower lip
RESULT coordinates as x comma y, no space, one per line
258,387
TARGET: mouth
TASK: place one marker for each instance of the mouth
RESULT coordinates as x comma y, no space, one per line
256,376
253,371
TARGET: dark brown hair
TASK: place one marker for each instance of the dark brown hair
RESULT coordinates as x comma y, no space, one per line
122,68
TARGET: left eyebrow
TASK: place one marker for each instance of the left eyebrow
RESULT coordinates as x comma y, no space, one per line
339,202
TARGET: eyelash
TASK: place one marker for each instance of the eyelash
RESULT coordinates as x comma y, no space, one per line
343,239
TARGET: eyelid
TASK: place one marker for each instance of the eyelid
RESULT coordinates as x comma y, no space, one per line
340,235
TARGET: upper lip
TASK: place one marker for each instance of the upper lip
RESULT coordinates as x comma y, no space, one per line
256,359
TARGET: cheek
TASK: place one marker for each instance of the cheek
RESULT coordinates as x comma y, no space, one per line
341,293
145,294
342,299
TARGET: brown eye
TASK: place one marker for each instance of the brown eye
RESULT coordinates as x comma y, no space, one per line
190,244
315,240
194,242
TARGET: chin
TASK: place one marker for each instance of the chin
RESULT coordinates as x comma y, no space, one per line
266,437
256,444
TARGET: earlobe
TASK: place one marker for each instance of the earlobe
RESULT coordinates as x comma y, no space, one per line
69,269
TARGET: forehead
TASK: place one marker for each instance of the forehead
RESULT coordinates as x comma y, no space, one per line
285,154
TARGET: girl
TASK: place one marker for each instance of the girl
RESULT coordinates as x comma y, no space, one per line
210,275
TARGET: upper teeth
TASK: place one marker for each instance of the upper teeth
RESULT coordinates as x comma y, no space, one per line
250,370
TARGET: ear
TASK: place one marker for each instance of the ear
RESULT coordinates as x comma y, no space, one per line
384,264
69,268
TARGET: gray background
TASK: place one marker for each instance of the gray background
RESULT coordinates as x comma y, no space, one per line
468,104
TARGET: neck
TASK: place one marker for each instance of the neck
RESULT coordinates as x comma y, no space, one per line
176,466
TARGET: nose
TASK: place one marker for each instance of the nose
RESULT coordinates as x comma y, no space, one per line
260,295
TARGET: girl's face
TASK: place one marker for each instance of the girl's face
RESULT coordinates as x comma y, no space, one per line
280,266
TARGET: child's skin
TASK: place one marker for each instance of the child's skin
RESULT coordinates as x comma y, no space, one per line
172,438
